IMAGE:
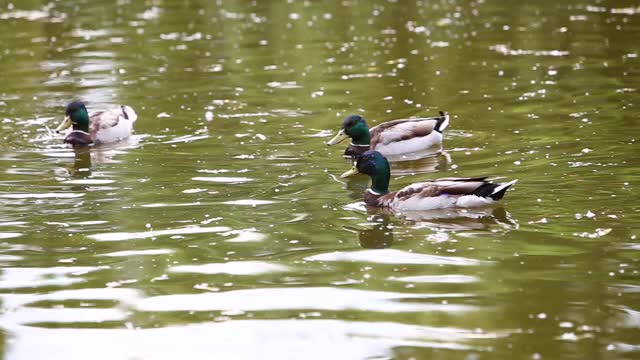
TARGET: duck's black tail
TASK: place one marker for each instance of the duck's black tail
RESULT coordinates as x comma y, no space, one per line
493,191
443,122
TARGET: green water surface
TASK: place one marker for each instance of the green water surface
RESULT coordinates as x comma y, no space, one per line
222,230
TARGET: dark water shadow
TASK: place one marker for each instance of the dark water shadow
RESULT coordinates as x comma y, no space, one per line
81,168
356,186
379,231
379,235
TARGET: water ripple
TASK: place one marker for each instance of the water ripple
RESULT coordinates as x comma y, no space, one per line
318,298
249,202
128,253
392,256
9,235
272,339
120,236
245,235
35,277
232,268
447,279
42,195
62,315
506,50
121,295
89,182
223,179
5,257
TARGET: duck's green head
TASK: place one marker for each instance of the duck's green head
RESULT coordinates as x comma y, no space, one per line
76,115
377,167
355,127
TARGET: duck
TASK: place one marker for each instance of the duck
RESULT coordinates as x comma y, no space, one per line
428,195
99,127
390,138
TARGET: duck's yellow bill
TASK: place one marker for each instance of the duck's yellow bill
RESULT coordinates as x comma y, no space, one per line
65,124
350,172
338,138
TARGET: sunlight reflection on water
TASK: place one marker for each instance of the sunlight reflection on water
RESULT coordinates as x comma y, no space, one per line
232,268
316,339
221,229
223,179
51,276
392,256
121,236
317,298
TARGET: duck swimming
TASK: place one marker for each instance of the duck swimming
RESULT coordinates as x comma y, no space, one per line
428,195
99,127
392,137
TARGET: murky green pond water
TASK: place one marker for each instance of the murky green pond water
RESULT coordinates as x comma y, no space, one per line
222,229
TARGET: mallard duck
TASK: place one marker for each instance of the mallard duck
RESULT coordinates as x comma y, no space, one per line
99,127
392,137
428,195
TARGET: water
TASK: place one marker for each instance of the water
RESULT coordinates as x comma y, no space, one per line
222,229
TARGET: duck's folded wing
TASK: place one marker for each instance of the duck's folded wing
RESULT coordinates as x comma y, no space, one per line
400,130
446,186
105,119
459,186
101,120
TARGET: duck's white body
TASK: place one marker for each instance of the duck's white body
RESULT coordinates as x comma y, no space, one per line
407,135
442,201
112,125
410,146
440,194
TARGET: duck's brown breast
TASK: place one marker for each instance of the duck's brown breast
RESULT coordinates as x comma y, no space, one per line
354,152
78,138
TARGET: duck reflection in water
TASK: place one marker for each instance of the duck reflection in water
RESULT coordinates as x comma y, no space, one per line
77,173
378,236
81,168
85,157
379,233
453,219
